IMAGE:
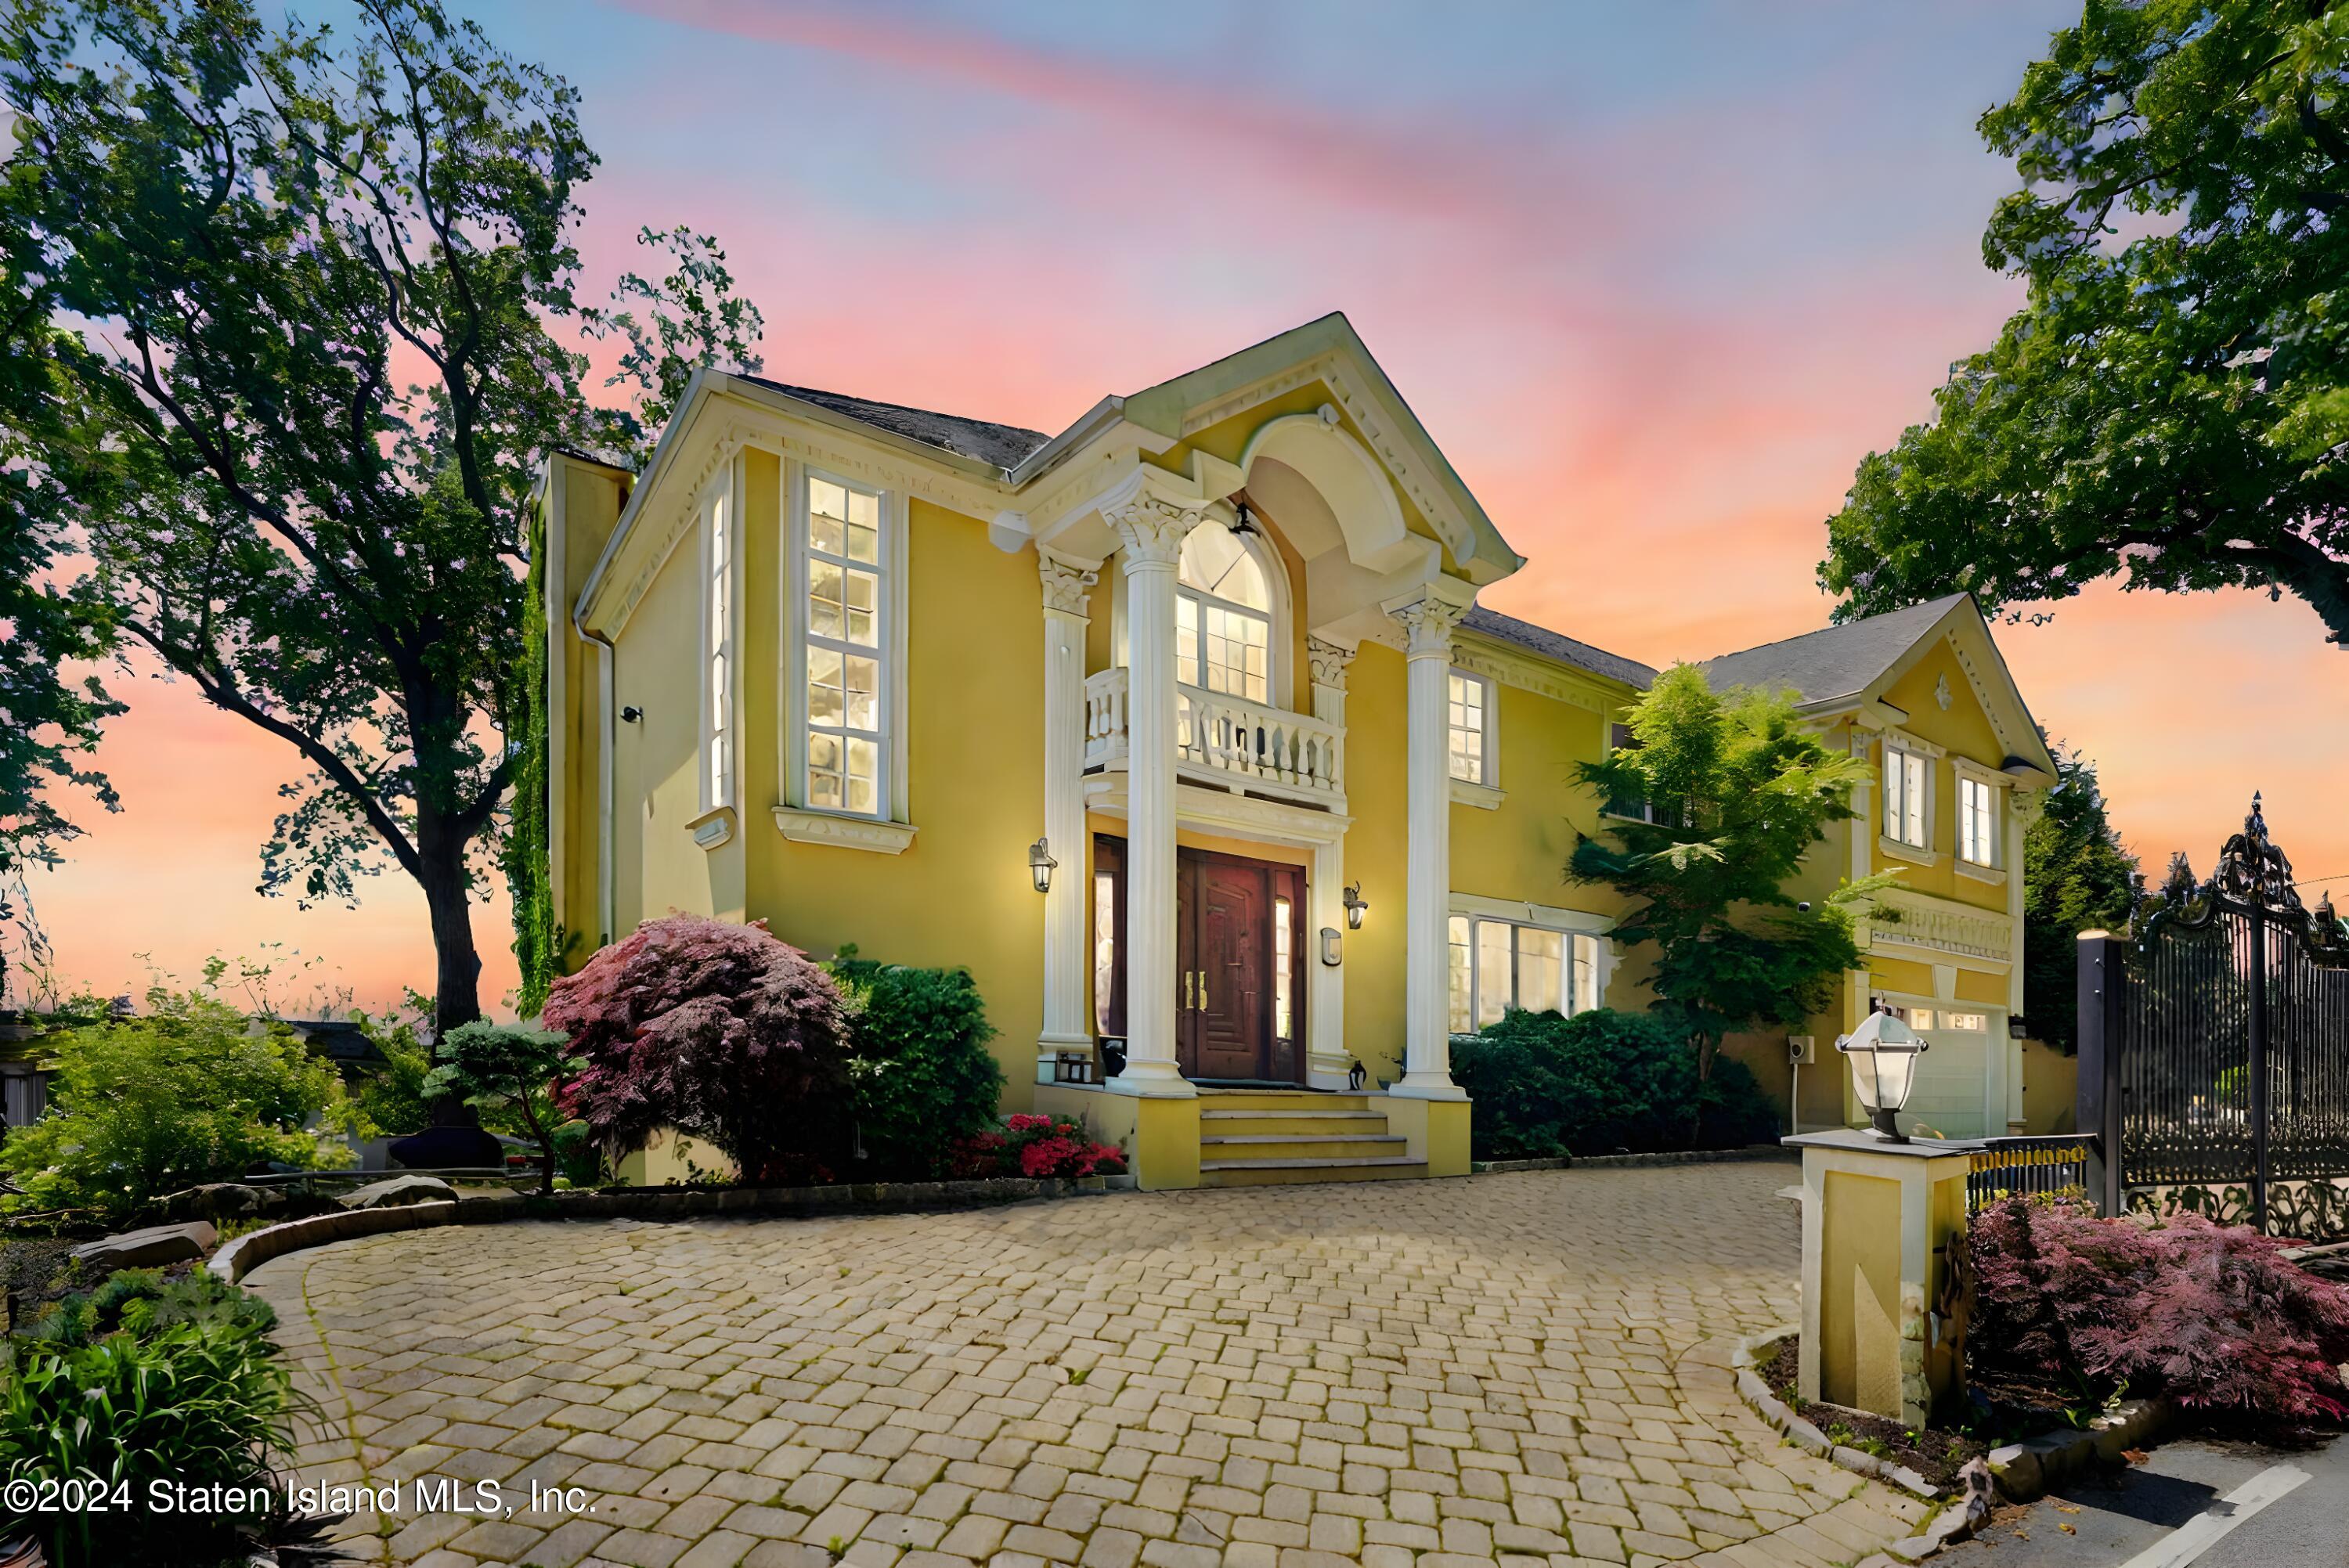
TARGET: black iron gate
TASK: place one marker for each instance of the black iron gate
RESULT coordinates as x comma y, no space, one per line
2214,1050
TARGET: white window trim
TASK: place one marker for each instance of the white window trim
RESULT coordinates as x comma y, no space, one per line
892,830
719,790
1489,741
1566,923
1994,870
1896,744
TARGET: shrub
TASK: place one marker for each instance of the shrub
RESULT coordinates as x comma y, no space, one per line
719,1030
148,1379
920,1075
506,1067
2078,1308
1600,1082
146,1106
391,1097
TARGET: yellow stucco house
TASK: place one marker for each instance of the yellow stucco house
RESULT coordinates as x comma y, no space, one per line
1214,653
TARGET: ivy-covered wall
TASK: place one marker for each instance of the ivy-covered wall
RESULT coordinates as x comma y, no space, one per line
537,942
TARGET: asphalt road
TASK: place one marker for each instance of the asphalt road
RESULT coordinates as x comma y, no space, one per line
2173,1510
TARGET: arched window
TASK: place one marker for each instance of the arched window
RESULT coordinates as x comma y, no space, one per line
1223,617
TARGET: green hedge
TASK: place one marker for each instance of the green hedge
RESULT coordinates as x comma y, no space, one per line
1601,1082
920,1075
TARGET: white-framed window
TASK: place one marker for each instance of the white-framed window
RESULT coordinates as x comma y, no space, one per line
1471,712
720,629
1908,796
844,554
1620,738
1223,617
1497,964
1977,821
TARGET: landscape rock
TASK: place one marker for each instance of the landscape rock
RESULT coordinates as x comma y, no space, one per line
2016,1469
399,1191
154,1247
218,1200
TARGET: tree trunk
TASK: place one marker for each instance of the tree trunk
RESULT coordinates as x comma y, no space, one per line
456,995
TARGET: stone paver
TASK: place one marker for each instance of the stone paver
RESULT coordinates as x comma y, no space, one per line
1528,1368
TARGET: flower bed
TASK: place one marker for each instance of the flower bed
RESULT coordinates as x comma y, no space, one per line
1935,1453
1041,1148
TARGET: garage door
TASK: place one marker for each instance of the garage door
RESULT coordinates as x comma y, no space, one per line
1948,1098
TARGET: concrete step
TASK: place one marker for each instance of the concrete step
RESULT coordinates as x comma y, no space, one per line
1226,1148
1279,1099
1282,1123
1279,1172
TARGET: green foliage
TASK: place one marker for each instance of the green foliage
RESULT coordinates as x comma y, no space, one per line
503,1066
147,1379
1601,1082
146,1106
1739,790
279,309
2170,409
528,856
143,1301
696,319
2077,877
920,1074
393,1098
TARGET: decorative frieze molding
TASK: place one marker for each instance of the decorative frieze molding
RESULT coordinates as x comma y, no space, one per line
1068,582
1329,661
1945,927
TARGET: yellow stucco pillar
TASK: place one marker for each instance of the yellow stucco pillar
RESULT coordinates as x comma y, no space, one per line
1878,1221
1436,1130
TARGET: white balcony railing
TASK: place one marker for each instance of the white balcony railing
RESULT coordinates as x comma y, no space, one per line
1225,739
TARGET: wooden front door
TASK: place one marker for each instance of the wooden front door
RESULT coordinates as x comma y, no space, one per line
1236,985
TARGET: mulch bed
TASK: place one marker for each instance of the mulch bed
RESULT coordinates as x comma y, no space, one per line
1932,1452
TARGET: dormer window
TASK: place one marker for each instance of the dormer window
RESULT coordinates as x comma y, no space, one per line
1223,617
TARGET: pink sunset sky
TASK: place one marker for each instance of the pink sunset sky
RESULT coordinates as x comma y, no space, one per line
1655,277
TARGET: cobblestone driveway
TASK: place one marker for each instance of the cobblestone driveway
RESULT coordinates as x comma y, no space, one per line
1523,1367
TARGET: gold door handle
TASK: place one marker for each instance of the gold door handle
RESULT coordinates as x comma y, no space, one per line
1203,990
1189,987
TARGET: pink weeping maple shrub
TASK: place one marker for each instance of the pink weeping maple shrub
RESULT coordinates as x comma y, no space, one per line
721,1030
2077,1307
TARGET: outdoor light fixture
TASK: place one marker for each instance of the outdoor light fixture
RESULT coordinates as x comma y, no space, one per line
1883,1052
1356,907
1040,865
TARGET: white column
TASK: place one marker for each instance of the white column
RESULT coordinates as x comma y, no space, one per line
1152,531
1327,1058
1427,1042
1066,584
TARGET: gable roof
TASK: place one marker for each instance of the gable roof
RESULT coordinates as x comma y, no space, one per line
1002,445
1554,646
1833,662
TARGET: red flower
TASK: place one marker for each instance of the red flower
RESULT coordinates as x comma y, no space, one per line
1028,1123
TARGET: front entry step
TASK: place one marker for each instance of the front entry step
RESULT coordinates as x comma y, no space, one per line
1270,1172
1261,1136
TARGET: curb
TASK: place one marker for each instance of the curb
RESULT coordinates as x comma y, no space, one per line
1606,1161
2018,1472
250,1251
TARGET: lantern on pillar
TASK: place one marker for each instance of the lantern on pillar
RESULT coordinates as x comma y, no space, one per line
1883,1053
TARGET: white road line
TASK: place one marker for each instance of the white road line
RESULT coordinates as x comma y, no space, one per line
2204,1531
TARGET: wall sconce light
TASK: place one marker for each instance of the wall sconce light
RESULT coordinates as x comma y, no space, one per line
1356,907
1883,1053
1040,864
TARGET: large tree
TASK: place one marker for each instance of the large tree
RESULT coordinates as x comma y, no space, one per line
1732,790
305,300
2076,876
2171,405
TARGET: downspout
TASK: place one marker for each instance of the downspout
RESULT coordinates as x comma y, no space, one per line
605,737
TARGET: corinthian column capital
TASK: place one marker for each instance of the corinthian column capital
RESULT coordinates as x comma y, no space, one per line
1153,528
1429,621
1068,582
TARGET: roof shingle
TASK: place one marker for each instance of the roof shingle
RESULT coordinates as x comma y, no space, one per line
1554,646
1834,662
1001,445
